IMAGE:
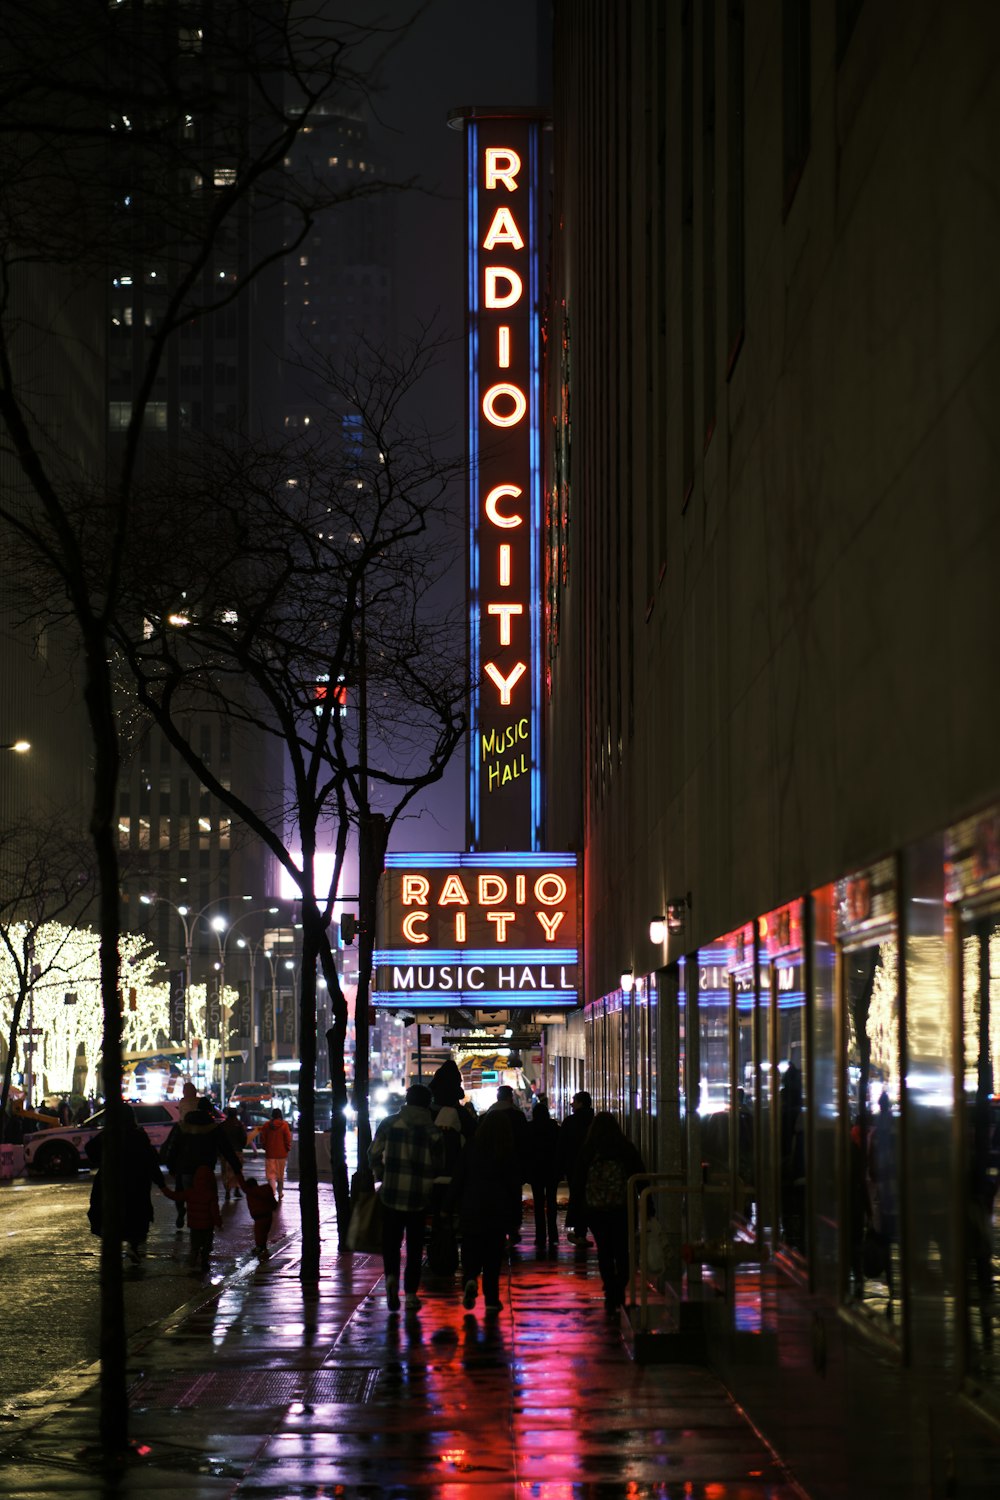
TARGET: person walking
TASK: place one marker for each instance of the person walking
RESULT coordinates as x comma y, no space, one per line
507,1106
262,1206
235,1130
405,1157
276,1139
201,1200
488,1173
198,1140
572,1134
543,1133
140,1170
606,1161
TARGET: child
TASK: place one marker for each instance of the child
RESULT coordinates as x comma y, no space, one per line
202,1202
262,1205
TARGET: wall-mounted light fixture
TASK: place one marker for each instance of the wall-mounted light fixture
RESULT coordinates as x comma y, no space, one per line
677,910
658,930
627,980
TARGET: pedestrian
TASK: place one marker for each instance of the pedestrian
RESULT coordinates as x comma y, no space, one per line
197,1140
233,1127
201,1200
140,1170
489,1172
262,1206
507,1106
276,1139
606,1162
572,1134
64,1111
405,1157
543,1146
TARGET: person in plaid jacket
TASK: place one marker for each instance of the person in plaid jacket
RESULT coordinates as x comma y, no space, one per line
406,1156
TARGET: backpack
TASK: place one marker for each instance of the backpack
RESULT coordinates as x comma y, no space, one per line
607,1184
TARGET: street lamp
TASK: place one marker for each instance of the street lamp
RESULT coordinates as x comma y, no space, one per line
219,926
190,921
19,747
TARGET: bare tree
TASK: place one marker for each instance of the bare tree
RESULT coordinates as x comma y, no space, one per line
305,602
45,876
133,140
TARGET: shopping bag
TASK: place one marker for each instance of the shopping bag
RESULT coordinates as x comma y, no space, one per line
364,1232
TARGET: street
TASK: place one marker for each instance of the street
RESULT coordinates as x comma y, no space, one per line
50,1273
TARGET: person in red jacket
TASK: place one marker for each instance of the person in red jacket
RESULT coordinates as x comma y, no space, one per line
201,1200
276,1138
263,1205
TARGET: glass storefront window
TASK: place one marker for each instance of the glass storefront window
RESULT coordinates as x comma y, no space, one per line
980,941
866,914
793,1103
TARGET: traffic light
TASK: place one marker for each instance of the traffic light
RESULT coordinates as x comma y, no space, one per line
348,927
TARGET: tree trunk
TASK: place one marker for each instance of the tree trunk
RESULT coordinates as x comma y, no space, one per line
308,1183
336,1042
113,1421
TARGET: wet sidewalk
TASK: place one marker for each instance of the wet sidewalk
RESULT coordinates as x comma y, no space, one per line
262,1388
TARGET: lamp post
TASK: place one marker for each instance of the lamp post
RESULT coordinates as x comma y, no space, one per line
19,747
219,926
190,921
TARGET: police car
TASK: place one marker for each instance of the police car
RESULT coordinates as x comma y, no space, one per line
62,1152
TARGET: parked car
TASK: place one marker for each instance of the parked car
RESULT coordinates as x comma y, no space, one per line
62,1152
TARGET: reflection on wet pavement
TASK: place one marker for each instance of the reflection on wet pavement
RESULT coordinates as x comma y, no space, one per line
275,1390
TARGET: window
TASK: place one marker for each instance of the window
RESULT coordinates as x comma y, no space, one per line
708,219
119,415
735,205
796,101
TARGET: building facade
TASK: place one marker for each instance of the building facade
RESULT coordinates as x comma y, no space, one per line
773,536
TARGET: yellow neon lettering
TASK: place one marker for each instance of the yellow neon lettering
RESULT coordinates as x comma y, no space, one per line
492,514
492,888
501,918
503,231
494,298
505,565
519,889
505,611
490,408
503,347
416,889
550,924
409,931
552,882
505,684
460,927
502,166
453,893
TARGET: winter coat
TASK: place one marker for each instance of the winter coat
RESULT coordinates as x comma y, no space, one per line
198,1141
261,1202
140,1170
276,1138
484,1186
543,1145
202,1200
406,1156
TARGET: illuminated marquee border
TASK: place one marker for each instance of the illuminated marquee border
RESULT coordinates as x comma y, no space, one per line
475,273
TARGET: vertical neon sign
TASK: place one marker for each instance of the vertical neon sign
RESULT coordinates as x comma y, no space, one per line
505,617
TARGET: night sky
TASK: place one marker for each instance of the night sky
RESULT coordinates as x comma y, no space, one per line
456,52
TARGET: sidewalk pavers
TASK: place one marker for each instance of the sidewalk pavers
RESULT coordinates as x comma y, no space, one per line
272,1389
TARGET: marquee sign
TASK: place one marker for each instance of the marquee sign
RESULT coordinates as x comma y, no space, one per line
486,930
505,504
